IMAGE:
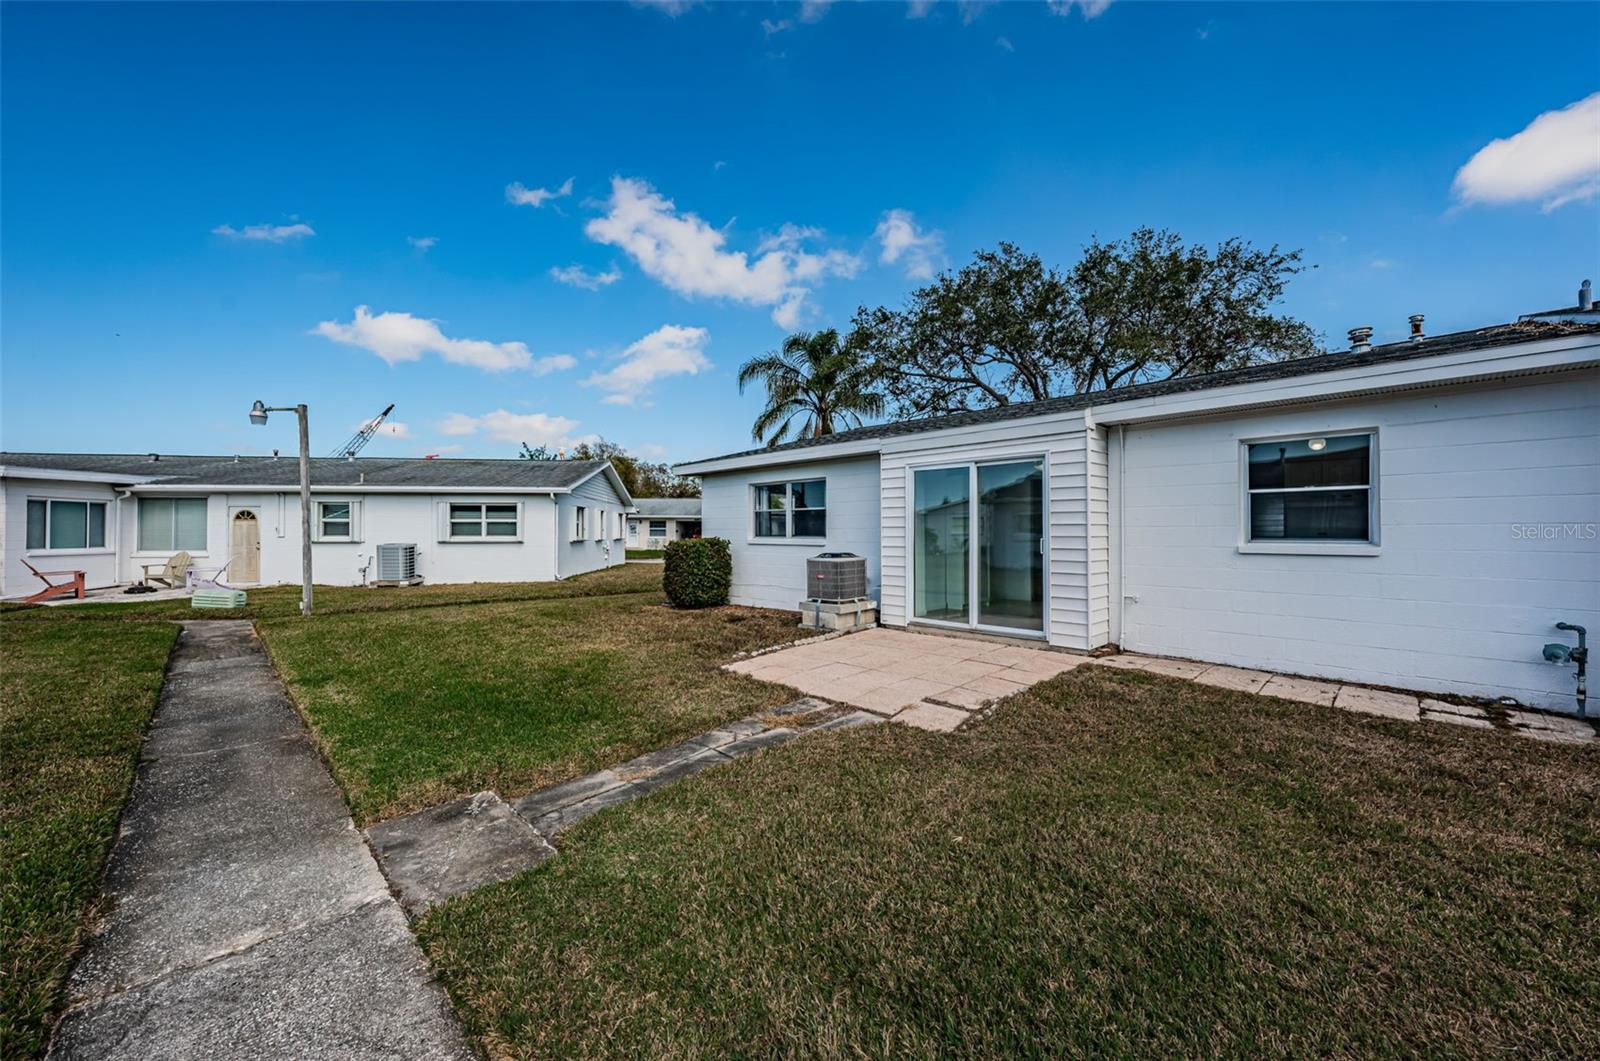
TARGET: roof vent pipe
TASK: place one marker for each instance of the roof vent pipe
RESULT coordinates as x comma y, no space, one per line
155,457
1585,297
1361,339
1416,327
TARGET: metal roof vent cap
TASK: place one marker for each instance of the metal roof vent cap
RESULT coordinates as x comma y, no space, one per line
1585,297
1361,339
1416,327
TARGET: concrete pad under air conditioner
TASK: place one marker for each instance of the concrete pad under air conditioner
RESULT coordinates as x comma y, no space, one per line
839,615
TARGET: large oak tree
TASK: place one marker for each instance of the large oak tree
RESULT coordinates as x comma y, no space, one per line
1007,328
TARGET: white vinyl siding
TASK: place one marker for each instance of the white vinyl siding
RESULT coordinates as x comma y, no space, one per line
1067,542
172,524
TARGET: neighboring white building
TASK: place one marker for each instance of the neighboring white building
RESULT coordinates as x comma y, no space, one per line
655,521
1418,514
471,520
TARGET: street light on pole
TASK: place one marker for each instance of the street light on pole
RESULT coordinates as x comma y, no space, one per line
258,416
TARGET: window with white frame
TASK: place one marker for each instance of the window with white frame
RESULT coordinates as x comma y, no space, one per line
599,524
336,521
63,524
580,517
488,521
170,524
1313,489
658,528
622,523
791,510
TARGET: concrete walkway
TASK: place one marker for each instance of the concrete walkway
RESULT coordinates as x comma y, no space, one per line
1387,703
249,918
481,839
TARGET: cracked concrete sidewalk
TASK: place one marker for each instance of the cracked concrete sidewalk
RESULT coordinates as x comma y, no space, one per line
247,917
468,843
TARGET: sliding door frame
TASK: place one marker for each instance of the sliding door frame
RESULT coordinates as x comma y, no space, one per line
974,543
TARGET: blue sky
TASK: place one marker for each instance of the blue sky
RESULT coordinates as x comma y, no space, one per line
197,199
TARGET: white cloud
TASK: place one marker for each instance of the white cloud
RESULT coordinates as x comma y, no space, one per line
422,243
902,241
536,197
770,28
1555,161
1380,263
1090,8
814,10
397,337
971,10
458,424
670,350
536,429
266,233
687,255
1005,42
652,451
670,8
918,8
577,276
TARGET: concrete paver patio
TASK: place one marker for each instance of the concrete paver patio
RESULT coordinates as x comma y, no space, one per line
935,681
901,675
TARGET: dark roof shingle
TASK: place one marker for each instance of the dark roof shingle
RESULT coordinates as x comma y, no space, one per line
1405,350
325,471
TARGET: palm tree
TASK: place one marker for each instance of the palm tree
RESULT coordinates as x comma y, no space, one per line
815,380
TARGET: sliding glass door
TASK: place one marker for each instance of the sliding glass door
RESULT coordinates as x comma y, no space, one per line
977,551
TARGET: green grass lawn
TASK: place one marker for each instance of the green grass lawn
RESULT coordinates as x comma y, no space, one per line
413,707
272,602
1115,863
74,702
646,554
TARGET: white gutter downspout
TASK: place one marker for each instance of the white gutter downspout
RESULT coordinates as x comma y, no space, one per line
1117,561
123,494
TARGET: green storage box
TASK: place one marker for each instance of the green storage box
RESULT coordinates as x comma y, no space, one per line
217,598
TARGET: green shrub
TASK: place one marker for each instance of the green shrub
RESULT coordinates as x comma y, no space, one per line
698,572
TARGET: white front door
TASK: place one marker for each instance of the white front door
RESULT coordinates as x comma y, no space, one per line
244,547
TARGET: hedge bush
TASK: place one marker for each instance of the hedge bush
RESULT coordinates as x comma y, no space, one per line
699,572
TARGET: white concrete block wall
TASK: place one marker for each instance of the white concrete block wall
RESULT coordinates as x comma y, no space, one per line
1488,504
769,573
99,565
602,545
383,518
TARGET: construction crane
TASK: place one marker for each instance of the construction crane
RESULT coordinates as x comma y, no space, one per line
362,437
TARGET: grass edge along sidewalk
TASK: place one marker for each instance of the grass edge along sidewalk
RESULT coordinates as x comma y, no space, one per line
75,703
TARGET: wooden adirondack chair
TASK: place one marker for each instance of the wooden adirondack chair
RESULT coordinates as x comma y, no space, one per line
75,587
170,574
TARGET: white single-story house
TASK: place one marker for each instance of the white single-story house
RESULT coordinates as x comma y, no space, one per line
656,521
1417,514
471,520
